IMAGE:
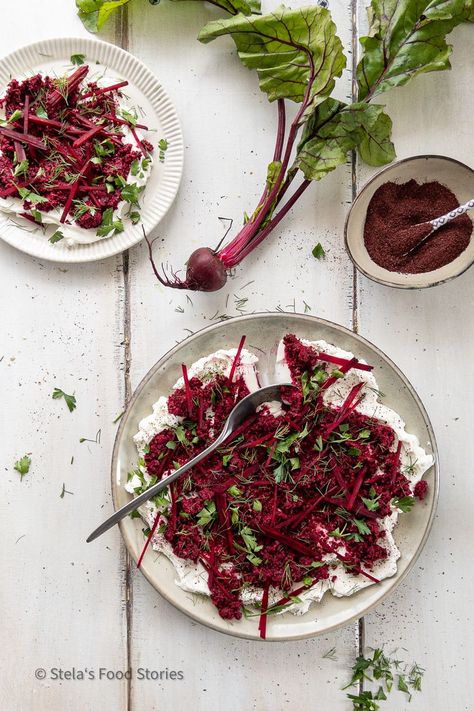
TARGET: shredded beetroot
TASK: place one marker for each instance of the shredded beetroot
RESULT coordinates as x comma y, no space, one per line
64,148
291,496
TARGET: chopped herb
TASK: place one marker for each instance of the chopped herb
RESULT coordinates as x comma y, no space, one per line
64,491
70,399
405,504
78,59
56,237
131,193
94,441
22,466
119,417
318,251
163,147
30,196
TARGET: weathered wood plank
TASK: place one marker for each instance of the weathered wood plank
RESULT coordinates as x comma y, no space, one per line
229,133
429,335
61,600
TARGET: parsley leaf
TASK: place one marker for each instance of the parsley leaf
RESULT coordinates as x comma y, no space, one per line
70,399
22,466
405,504
78,59
56,237
318,251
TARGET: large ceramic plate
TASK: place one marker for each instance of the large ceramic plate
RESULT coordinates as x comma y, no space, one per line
263,332
157,112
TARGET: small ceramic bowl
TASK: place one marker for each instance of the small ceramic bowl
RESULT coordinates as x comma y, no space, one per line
455,175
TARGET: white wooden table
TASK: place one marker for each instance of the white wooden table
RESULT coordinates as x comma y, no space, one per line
96,330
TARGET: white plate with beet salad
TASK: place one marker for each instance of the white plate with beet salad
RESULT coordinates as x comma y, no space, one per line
312,512
91,150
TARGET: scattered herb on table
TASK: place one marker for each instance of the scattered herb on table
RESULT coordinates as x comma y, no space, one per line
94,441
64,491
386,672
70,399
22,466
318,251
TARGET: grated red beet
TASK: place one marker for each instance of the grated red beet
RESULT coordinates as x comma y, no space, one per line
261,511
64,145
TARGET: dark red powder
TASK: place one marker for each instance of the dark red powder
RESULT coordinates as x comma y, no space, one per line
394,225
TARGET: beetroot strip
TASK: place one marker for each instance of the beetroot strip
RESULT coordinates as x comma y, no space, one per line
256,442
105,90
236,360
189,395
23,138
68,203
290,542
343,361
122,122
138,142
355,490
149,537
262,623
87,136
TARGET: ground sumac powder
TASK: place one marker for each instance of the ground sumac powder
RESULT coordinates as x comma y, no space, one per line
392,227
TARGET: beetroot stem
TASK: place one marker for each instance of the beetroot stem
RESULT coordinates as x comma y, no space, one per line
236,361
189,395
262,624
105,90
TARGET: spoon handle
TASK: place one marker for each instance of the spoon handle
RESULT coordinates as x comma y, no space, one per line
156,488
440,221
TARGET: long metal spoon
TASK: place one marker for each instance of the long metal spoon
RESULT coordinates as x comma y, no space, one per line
439,222
241,412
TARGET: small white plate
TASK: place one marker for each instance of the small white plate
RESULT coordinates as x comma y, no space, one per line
157,112
263,332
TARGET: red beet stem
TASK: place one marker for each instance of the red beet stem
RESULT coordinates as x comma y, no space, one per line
293,594
138,142
343,361
33,118
355,490
236,360
122,122
105,90
256,442
302,515
69,200
72,84
344,369
26,114
287,540
23,138
356,567
87,136
149,537
187,387
349,404
262,624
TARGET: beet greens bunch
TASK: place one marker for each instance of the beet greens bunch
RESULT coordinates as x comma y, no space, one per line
298,57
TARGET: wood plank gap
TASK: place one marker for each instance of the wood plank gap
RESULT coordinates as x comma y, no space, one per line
354,55
122,39
355,282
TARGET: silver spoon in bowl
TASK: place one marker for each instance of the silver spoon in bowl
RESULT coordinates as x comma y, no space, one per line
239,414
439,222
